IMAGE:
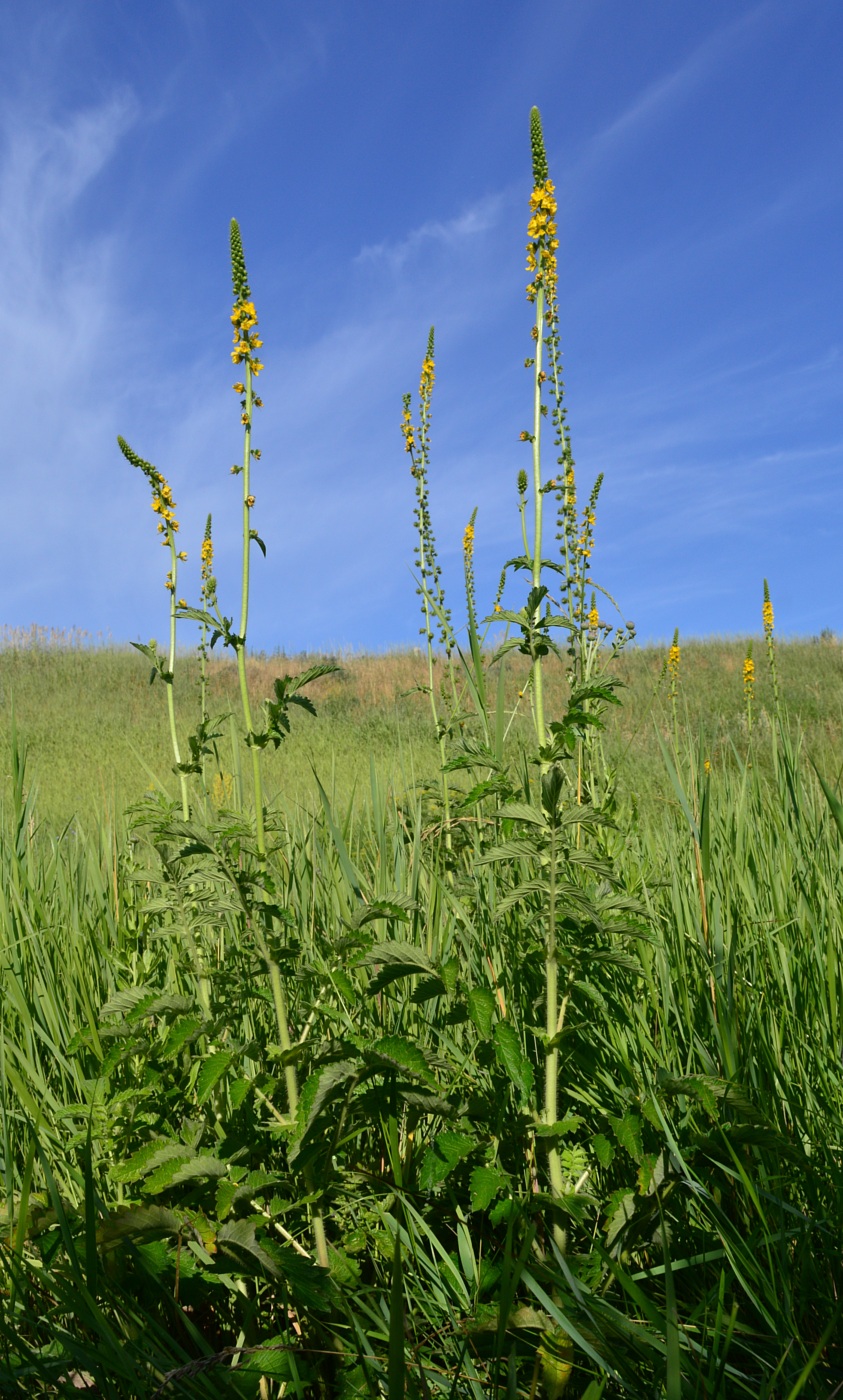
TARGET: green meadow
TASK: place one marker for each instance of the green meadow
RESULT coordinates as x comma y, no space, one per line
96,737
458,1022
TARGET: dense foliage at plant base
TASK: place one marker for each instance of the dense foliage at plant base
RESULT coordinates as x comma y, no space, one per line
160,1197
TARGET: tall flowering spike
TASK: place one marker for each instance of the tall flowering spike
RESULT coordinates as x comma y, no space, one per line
542,231
749,674
240,280
135,460
540,166
427,371
162,493
674,658
767,611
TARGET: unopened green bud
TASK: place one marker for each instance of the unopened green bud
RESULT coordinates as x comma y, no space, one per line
540,166
239,277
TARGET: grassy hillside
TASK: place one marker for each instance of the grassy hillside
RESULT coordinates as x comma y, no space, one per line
97,736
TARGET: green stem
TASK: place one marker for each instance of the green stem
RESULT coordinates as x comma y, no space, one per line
551,1074
257,783
275,980
538,500
171,662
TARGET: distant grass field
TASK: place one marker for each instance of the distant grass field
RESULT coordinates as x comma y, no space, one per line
95,743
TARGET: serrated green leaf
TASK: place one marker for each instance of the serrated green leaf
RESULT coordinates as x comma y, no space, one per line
603,1150
486,1183
212,1072
146,1159
226,1193
523,812
328,1083
126,1221
442,1156
622,1211
163,1176
522,848
449,972
401,1054
518,895
237,1240
481,1009
627,1130
513,1061
180,1033
395,960
125,1000
238,1092
568,1124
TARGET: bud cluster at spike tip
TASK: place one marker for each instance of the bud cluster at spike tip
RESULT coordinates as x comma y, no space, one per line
162,495
540,166
239,279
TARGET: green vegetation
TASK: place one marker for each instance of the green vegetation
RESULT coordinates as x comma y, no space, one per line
97,735
480,1039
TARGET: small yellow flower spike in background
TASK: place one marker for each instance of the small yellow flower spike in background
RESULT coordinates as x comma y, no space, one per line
749,684
768,620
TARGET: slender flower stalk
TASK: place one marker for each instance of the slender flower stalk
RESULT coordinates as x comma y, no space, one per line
768,619
435,612
674,660
247,342
165,508
749,685
208,591
541,291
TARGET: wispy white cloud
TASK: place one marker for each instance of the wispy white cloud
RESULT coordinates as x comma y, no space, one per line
657,100
478,218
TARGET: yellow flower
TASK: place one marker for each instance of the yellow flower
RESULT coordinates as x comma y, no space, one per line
748,677
257,366
239,388
207,551
594,618
182,603
497,607
408,431
244,417
250,501
427,377
767,615
673,659
707,765
256,342
468,539
182,554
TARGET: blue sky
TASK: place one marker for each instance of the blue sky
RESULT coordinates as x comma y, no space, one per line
377,157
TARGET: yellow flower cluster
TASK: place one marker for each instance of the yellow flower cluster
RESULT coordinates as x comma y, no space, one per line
163,504
767,615
594,619
541,250
246,340
748,677
408,430
427,378
207,554
673,658
468,540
